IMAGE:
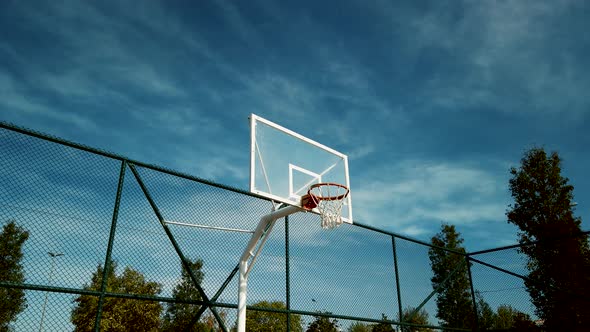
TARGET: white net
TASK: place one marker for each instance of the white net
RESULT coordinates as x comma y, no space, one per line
329,199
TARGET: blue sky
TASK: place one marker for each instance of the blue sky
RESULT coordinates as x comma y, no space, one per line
432,101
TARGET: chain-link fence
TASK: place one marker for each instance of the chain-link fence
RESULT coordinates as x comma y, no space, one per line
99,257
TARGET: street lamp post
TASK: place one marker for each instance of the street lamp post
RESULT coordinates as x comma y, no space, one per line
53,255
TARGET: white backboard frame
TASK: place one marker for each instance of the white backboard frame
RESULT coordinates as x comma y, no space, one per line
294,199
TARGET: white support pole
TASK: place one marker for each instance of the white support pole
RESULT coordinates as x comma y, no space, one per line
242,293
260,234
260,245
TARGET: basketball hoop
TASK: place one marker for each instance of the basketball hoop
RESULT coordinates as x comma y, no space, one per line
329,199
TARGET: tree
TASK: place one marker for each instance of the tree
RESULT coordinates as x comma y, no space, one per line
209,323
359,327
118,314
179,315
508,318
383,327
559,264
453,301
504,317
486,317
262,321
419,318
524,323
323,324
13,300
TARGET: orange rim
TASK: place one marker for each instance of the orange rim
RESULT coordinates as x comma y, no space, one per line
327,198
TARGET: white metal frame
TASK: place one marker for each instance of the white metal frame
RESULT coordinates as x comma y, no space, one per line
253,150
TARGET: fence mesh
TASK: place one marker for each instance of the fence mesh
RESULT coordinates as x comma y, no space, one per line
84,208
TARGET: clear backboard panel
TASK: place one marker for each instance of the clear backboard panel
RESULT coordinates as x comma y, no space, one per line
285,164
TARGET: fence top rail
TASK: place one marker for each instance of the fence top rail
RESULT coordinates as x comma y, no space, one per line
407,238
520,245
86,148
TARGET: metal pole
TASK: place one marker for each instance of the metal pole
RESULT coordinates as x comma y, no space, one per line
467,259
53,256
399,296
287,277
107,261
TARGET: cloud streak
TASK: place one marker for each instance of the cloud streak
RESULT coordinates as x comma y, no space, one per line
413,197
508,52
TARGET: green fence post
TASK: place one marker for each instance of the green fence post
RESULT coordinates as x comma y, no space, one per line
472,292
287,279
107,262
399,296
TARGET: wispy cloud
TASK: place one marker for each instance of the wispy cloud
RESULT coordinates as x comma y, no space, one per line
12,99
361,151
413,197
238,23
506,53
101,62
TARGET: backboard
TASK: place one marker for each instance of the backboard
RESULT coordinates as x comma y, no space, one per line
284,164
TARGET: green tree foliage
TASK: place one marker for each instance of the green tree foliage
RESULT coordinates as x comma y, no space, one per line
179,315
486,317
12,300
209,323
509,319
524,323
504,317
118,314
262,321
383,327
420,318
559,266
359,327
453,301
323,324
